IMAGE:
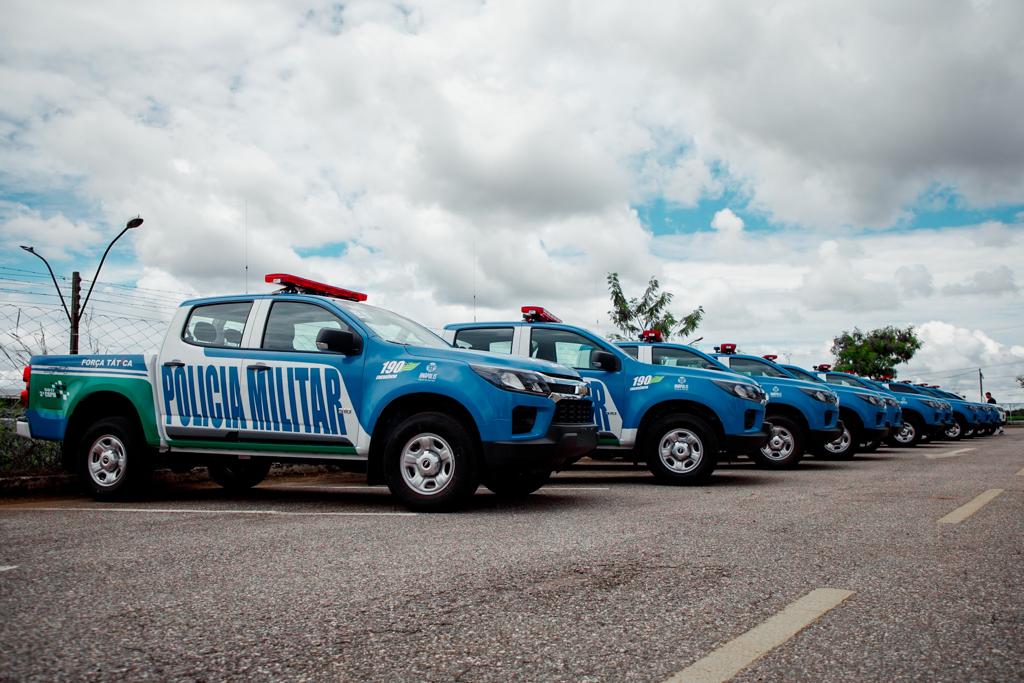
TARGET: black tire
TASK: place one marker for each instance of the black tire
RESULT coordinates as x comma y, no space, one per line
970,432
449,473
516,484
870,446
910,434
239,475
844,447
113,459
680,449
785,447
955,431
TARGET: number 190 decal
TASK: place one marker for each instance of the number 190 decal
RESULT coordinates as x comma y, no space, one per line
644,381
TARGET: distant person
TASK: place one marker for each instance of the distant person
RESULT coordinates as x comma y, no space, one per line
989,398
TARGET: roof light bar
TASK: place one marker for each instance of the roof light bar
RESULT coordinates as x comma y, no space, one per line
300,285
770,356
823,367
538,314
728,348
651,336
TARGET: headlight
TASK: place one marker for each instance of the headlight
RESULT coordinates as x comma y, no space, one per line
873,400
932,404
751,392
821,395
523,381
892,402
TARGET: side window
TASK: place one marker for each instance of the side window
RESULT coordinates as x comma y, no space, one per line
493,339
293,326
562,346
633,351
219,325
679,358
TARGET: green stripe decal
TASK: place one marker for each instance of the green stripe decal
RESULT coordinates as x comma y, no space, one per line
262,446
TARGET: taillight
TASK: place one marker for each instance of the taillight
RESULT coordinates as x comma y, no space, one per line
26,376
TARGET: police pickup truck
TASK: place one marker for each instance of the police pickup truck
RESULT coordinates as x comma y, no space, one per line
311,373
677,420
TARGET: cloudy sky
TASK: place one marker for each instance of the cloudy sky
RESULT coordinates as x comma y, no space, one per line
797,168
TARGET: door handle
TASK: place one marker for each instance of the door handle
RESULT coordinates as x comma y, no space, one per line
174,364
257,367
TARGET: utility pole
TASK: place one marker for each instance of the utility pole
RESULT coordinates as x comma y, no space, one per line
981,386
76,309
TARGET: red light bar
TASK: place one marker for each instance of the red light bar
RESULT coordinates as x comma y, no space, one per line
728,348
824,367
769,356
651,336
537,314
302,285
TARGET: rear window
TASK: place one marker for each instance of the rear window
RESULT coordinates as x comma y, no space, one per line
217,325
493,339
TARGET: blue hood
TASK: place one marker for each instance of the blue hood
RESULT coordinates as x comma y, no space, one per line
499,359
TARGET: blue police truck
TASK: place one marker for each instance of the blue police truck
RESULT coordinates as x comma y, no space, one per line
311,373
968,417
804,415
675,419
865,414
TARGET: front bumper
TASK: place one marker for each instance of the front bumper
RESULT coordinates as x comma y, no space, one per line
561,446
23,429
744,443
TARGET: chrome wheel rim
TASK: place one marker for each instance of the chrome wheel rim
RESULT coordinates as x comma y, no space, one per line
840,445
681,451
428,464
781,444
953,430
107,459
906,433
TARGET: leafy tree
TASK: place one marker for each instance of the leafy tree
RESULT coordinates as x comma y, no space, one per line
1020,380
874,353
649,311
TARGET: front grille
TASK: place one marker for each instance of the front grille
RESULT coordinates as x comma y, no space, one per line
568,411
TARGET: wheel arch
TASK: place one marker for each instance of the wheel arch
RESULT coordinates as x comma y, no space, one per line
90,409
694,408
400,408
790,412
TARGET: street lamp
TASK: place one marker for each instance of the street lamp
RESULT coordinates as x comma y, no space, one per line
75,313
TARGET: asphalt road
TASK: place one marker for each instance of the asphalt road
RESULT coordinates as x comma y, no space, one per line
602,576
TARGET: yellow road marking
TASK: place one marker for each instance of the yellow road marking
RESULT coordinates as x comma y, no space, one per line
968,509
729,659
949,454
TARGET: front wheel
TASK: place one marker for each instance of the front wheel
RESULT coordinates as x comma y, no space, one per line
239,475
954,431
785,447
910,433
113,461
681,449
431,462
516,484
845,446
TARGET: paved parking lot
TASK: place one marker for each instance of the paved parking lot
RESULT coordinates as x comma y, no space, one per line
603,575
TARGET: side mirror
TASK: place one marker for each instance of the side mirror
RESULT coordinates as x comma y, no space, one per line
339,341
604,360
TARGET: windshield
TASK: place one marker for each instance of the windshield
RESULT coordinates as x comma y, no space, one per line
393,327
754,368
802,374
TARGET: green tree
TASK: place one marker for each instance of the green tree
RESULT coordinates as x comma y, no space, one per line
875,353
649,311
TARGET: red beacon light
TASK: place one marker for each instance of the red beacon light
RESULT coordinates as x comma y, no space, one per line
651,336
770,356
537,314
727,348
299,285
823,367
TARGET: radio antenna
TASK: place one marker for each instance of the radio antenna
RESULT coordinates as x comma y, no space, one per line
245,249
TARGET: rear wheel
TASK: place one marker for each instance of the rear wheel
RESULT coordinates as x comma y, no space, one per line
431,462
113,460
239,475
681,449
516,484
785,447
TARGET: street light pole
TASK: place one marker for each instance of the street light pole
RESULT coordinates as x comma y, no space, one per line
75,313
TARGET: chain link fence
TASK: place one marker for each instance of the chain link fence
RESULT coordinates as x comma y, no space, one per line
29,329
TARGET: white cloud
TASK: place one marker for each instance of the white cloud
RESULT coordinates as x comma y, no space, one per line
727,223
995,281
915,280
